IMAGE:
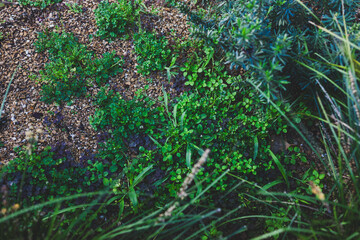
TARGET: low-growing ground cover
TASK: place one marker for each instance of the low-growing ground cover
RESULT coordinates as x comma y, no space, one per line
212,152
115,19
38,3
72,68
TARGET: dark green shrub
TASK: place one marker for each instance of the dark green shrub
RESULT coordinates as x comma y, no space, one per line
72,67
269,37
38,3
152,52
113,19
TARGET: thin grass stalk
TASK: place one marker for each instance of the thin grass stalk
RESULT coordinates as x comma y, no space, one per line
198,218
182,209
52,222
312,200
335,173
340,165
343,154
41,205
65,210
210,186
280,167
252,184
356,99
291,230
71,231
8,89
117,231
325,77
290,224
185,224
219,219
232,189
353,136
335,35
86,225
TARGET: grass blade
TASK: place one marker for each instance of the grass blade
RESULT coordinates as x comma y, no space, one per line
7,90
281,167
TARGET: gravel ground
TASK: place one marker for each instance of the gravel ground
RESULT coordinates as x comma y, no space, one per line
23,108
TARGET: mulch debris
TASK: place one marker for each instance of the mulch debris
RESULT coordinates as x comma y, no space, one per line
24,109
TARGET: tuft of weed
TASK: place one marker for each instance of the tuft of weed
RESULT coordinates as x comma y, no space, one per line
38,3
153,52
72,68
114,19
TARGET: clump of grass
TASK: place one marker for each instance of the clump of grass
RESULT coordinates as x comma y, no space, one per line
332,212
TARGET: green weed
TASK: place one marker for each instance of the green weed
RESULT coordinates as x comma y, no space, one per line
153,52
75,7
114,19
38,3
72,68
